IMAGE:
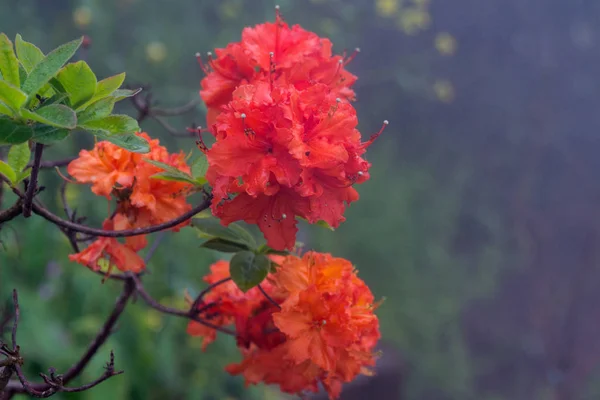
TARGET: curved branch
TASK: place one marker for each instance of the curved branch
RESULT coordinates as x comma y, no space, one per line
11,212
43,212
173,311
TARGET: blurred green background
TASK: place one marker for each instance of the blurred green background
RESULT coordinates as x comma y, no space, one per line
479,224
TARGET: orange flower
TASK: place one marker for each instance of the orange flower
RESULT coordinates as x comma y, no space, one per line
141,200
225,304
104,166
323,331
285,153
274,52
123,256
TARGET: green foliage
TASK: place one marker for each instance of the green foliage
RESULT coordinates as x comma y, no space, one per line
79,82
248,269
211,228
12,96
129,142
15,167
14,133
171,173
56,115
40,93
9,66
29,54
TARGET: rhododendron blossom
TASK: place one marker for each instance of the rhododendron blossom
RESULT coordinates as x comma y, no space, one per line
283,153
141,200
274,52
323,328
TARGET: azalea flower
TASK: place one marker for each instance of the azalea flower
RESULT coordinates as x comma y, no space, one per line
274,52
282,153
142,201
323,328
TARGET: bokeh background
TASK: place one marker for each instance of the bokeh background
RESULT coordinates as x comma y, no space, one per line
480,225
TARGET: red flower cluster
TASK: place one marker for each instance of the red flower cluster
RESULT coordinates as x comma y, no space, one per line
313,323
141,201
286,139
278,53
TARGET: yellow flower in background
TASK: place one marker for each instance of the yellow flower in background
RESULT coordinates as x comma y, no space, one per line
156,51
444,90
82,16
230,9
153,320
387,8
412,20
445,43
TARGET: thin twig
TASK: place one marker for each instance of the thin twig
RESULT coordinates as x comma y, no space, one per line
45,389
171,112
53,164
203,293
173,311
268,297
31,188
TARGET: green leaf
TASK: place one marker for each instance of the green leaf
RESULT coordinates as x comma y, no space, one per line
23,174
78,81
9,65
171,173
14,133
8,172
320,223
211,228
28,53
112,124
22,73
98,110
166,176
57,115
12,96
46,69
45,134
5,110
107,86
128,141
199,167
125,93
264,249
18,156
223,245
248,270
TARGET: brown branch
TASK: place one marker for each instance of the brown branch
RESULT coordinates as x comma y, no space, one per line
46,214
171,112
46,389
11,212
56,381
204,293
173,311
53,164
32,186
268,297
